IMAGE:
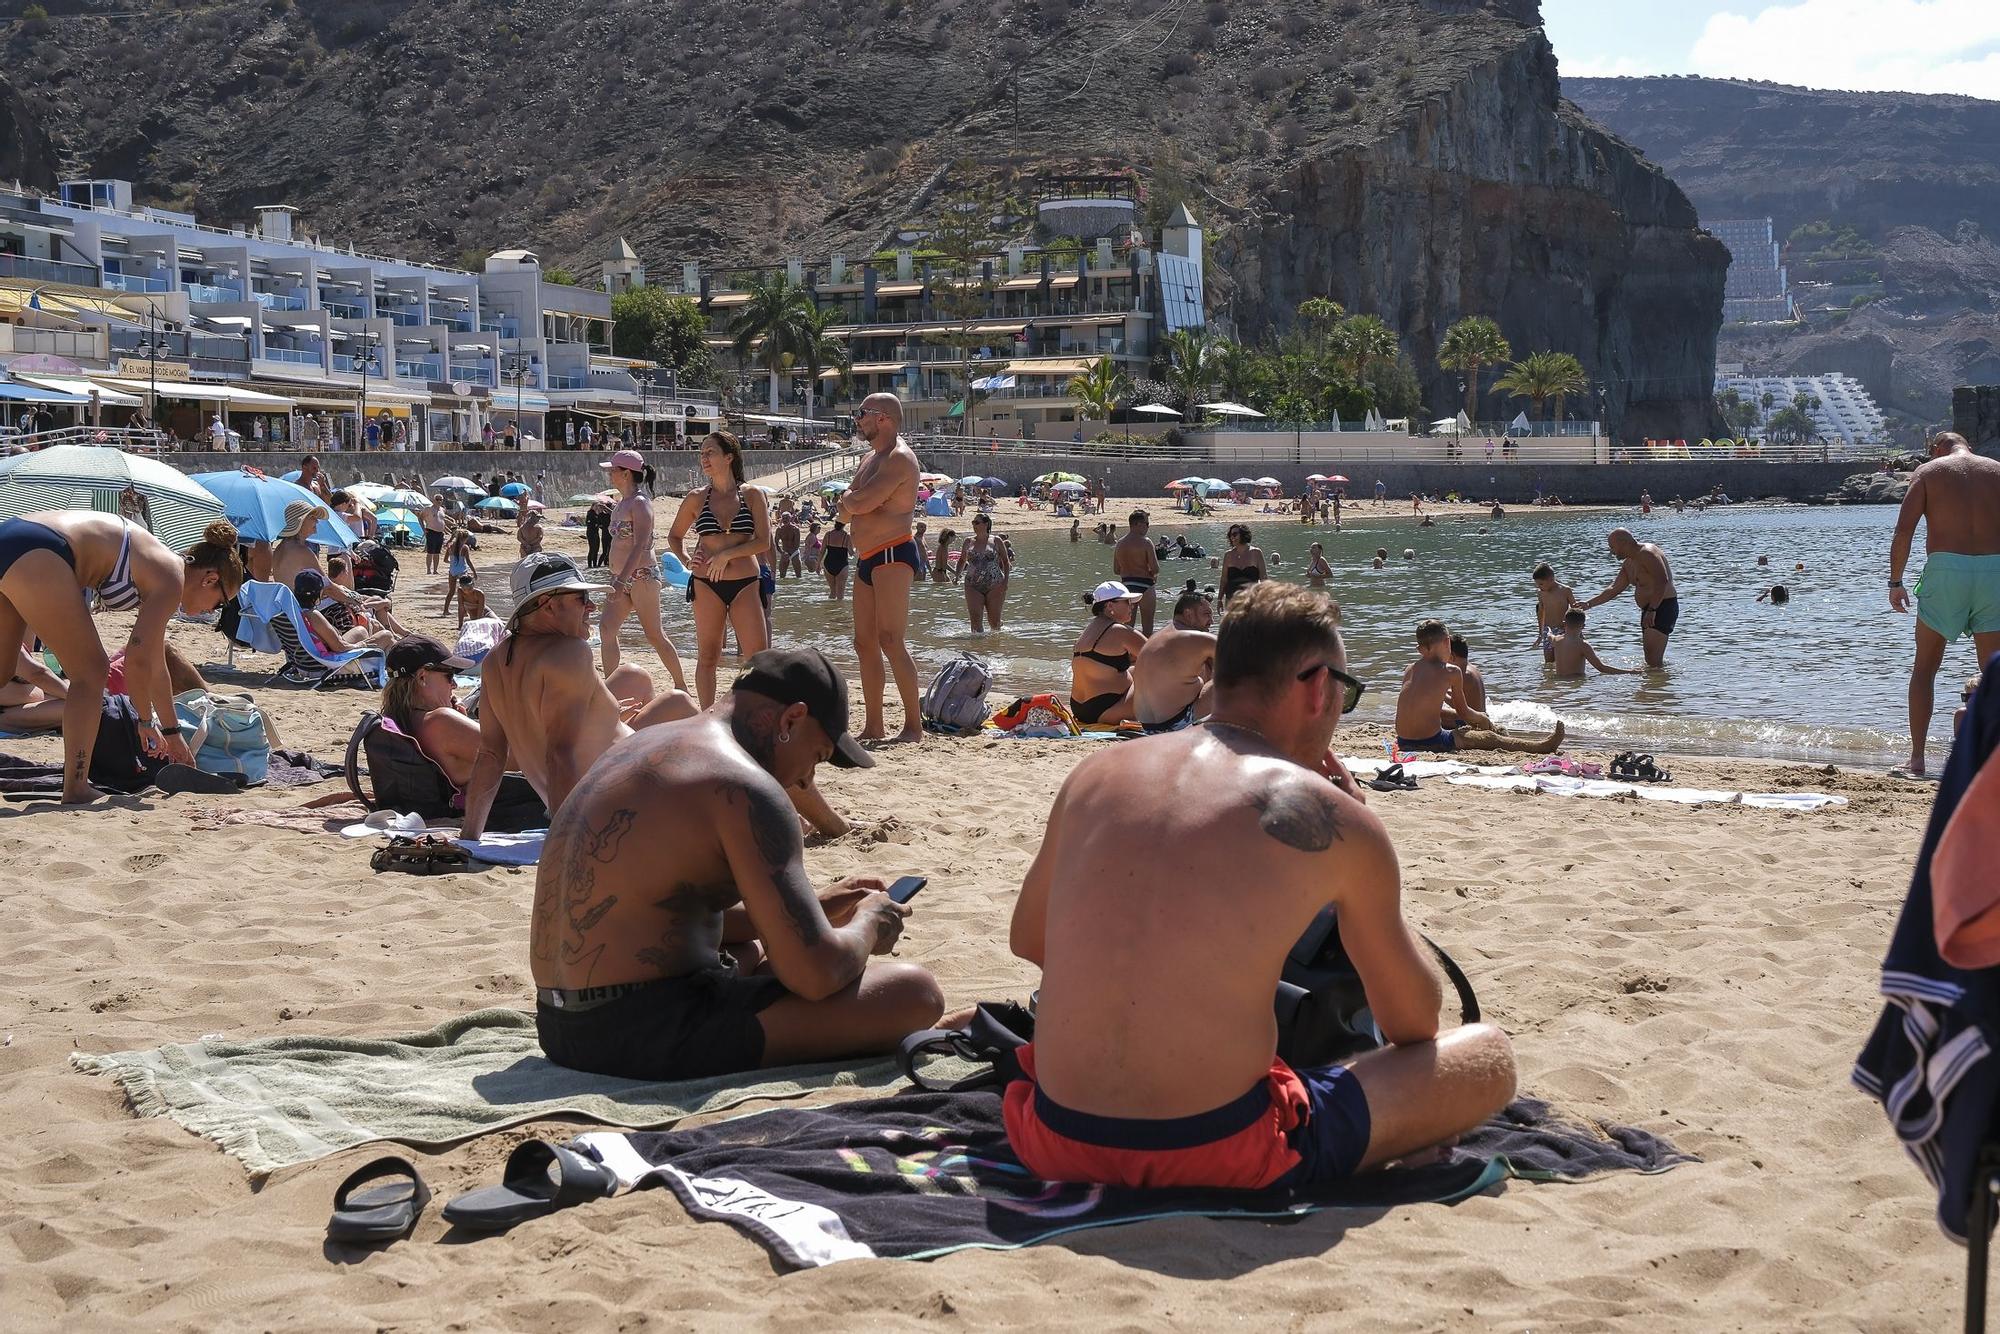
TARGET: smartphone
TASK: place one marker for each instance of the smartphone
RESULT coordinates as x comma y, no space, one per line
906,889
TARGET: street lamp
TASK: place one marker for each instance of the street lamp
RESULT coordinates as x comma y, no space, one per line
516,373
367,343
156,340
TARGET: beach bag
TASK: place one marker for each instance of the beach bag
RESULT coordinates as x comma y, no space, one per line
955,703
993,1038
118,760
477,637
1321,1007
408,781
374,567
226,734
1037,715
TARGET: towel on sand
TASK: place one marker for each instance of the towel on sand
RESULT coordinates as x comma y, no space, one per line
926,1174
274,1102
1687,796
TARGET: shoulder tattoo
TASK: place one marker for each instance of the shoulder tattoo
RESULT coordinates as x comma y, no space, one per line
1299,813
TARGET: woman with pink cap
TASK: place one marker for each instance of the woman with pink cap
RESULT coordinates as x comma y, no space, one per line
635,569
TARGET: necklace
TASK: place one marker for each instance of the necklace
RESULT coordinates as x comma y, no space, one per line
1239,727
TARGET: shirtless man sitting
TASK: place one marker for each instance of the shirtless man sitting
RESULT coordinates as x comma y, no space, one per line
677,848
1431,686
1135,564
1472,679
1172,674
542,704
1175,874
1645,571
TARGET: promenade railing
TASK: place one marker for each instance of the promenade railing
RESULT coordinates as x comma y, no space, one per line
1202,453
827,466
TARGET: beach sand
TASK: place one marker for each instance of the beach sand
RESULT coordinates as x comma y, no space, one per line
1704,973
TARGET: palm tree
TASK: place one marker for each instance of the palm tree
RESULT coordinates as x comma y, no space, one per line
1099,390
774,326
1532,378
1566,378
1471,344
1190,358
1363,343
821,351
1321,313
1242,374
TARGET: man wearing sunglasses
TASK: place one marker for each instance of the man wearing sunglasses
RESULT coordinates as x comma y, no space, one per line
543,709
879,507
1175,874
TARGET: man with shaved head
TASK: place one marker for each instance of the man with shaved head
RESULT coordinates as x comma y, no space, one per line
1645,571
879,507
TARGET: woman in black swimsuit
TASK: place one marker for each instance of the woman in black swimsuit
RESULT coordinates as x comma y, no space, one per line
833,560
1100,684
53,567
732,524
1242,564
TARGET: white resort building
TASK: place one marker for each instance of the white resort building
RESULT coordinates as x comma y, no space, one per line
1846,412
139,305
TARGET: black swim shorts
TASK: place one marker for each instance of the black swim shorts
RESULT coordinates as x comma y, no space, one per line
687,1027
1667,615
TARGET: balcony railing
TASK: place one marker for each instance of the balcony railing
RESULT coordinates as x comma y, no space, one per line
569,382
134,282
47,270
345,310
291,354
505,328
343,361
211,293
474,374
280,301
406,318
462,321
418,370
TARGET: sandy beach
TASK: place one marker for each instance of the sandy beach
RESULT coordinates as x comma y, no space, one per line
1703,973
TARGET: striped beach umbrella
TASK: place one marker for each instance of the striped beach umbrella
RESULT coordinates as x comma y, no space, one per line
93,477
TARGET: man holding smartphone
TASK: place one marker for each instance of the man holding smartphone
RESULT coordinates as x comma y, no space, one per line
675,933
1155,1059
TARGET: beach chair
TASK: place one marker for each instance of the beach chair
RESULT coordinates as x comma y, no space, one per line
276,608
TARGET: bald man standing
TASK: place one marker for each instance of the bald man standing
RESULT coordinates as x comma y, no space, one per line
1645,571
879,507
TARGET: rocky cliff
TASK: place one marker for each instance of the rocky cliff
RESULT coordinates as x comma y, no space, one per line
1407,157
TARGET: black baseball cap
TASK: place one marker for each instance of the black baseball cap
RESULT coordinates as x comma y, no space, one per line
804,676
410,656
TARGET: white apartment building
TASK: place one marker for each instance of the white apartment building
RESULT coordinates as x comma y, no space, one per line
260,319
1847,412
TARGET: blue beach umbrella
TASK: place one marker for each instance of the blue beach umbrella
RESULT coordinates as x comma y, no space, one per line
256,504
991,482
514,490
403,519
969,481
499,505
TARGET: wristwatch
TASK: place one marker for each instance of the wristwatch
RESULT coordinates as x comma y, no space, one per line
1895,583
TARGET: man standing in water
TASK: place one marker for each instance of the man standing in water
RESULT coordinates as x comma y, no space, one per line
1958,495
1136,565
1645,571
879,507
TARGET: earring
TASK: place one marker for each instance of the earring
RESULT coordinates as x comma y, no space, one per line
784,738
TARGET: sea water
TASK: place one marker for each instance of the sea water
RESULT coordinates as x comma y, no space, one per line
1822,678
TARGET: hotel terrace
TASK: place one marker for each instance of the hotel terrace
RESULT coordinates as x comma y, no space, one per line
134,305
1024,321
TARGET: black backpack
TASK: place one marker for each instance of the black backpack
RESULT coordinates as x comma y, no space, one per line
405,779
374,567
1322,1010
118,761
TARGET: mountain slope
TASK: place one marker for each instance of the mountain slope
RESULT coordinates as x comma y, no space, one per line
1409,157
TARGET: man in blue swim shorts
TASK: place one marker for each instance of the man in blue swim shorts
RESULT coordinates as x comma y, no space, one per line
1175,872
1434,683
1957,496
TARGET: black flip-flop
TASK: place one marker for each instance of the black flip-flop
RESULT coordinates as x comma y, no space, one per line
1393,779
527,1189
1624,767
1648,772
386,1212
174,779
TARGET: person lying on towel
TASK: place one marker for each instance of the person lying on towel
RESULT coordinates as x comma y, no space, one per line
1161,919
675,933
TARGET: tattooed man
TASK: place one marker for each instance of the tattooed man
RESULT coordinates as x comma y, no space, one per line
1176,872
675,933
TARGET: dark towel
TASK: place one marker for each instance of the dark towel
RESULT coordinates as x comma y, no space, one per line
922,1175
1929,1058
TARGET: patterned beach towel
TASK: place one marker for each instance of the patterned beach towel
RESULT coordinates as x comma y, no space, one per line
926,1174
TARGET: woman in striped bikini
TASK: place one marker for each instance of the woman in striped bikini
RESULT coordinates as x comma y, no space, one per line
731,524
54,565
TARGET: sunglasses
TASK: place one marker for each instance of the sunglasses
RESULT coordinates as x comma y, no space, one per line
1354,689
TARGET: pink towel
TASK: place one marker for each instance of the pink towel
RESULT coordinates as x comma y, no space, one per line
1965,889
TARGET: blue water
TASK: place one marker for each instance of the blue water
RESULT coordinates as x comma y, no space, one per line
1821,679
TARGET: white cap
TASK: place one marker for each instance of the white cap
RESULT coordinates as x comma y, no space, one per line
1113,591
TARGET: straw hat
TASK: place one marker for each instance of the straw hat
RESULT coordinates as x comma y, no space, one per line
301,517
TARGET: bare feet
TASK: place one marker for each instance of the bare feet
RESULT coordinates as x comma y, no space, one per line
1555,741
89,795
912,731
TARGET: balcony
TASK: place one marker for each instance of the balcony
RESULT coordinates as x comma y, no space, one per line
292,355
473,374
505,328
568,382
463,321
211,294
280,301
352,364
425,371
346,310
47,271
409,319
133,282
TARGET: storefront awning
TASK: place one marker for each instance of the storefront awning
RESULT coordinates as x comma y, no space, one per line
70,384
865,368
899,289
1053,366
238,398
509,400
